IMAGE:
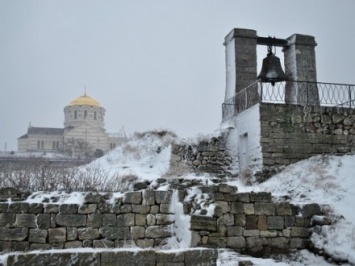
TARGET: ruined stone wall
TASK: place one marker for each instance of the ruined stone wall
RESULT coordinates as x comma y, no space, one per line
206,156
290,133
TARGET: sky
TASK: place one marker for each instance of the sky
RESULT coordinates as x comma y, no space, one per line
157,64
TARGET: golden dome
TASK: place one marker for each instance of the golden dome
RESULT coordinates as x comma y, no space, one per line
84,100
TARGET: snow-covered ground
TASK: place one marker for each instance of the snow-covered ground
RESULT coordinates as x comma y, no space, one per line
328,180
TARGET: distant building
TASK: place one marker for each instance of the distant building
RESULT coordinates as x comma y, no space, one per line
83,123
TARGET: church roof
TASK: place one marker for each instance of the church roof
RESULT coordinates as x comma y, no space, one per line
45,131
84,100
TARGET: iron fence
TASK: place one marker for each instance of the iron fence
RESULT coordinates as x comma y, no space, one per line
290,92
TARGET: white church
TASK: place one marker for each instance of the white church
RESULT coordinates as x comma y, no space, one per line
83,122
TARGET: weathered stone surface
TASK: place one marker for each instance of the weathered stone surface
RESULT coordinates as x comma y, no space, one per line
298,243
37,246
43,220
140,219
236,242
73,244
311,209
145,243
137,232
88,233
148,197
261,208
283,208
57,234
237,207
262,222
165,208
125,219
203,223
260,197
133,197
7,219
70,219
35,208
103,243
92,197
94,220
72,233
15,234
221,208
38,236
244,197
87,208
275,222
109,220
68,208
299,232
267,233
252,242
251,222
26,220
150,219
114,233
201,257
234,230
166,257
239,219
251,232
279,242
158,231
162,219
20,246
289,221
18,207
163,197
248,208
141,209
5,246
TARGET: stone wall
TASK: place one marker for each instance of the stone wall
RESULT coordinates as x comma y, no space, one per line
205,257
205,156
290,133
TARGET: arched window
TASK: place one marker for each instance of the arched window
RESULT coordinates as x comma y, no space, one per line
85,114
75,114
95,115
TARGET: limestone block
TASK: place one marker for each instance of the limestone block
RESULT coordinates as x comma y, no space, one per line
224,188
244,197
94,220
253,232
125,220
268,233
72,233
87,243
252,242
262,208
201,257
165,208
15,234
140,208
217,241
237,207
73,244
279,242
18,207
35,208
162,219
165,257
162,197
37,246
145,243
236,242
103,243
275,222
283,208
154,209
51,208
126,243
56,235
5,246
298,243
134,197
68,208
260,197
311,209
93,197
222,207
262,222
239,219
140,219
299,232
43,220
70,219
26,220
148,197
126,208
37,236
234,230
248,209
7,219
115,233
108,220
286,232
4,207
88,233
137,232
203,223
289,221
87,208
251,222
158,231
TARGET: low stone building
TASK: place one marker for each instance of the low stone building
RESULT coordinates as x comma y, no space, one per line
84,121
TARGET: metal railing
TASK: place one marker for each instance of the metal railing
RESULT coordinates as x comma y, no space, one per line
290,92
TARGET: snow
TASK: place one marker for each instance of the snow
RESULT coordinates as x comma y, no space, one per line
323,179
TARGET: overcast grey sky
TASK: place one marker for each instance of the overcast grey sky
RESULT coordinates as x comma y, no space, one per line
151,64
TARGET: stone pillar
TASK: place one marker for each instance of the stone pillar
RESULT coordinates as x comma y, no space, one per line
240,60
300,66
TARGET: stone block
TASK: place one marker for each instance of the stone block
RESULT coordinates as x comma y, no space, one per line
141,209
138,232
88,233
237,207
56,235
298,243
103,243
18,207
145,243
93,197
281,243
38,246
69,208
51,208
125,220
283,209
73,244
311,209
5,246
234,230
115,233
262,208
154,209
72,233
140,219
150,219
7,219
70,219
87,208
163,219
126,243
231,197
35,208
201,257
244,197
286,232
20,246
134,197
248,209
13,234
251,222
275,222
216,241
87,244
252,242
126,208
251,233
203,223
109,220
299,232
237,242
94,220
239,219
289,221
158,231
26,220
38,236
268,233
221,208
260,197
173,257
262,222
43,220
162,197
195,239
225,188
148,197
165,208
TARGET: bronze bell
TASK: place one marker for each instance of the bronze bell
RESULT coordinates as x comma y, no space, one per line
271,70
